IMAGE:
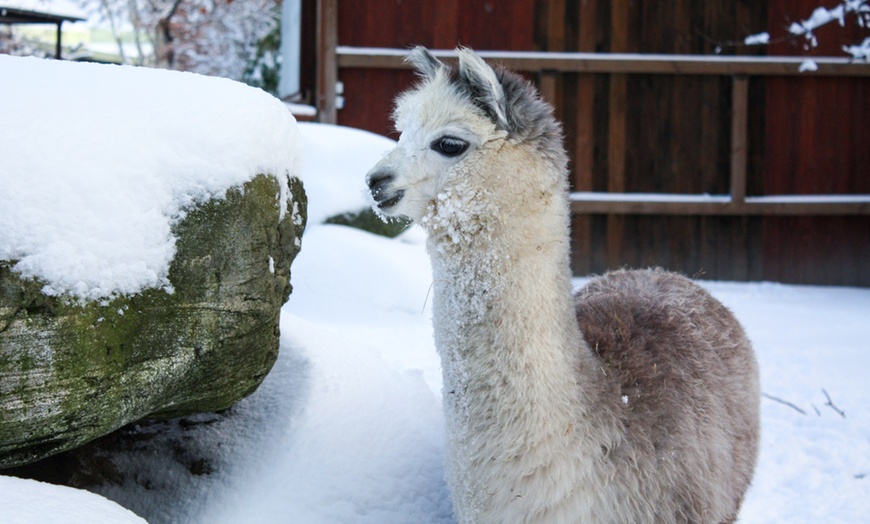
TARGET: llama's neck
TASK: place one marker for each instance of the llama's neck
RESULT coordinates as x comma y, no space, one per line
519,382
505,323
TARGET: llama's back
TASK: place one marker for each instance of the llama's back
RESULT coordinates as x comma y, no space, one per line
684,387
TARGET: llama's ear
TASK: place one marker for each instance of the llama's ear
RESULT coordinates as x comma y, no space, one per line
483,85
424,62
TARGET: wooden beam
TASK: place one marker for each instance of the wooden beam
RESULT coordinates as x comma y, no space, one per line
58,50
672,204
556,25
327,65
549,87
739,140
616,132
584,144
386,58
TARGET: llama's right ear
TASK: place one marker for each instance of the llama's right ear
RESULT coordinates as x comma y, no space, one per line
424,62
483,85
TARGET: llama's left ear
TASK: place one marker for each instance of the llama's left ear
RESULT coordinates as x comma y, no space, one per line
424,62
483,85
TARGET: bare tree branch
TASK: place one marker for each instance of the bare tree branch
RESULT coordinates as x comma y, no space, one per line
785,402
830,404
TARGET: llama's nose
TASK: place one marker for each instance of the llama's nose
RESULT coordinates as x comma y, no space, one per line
378,181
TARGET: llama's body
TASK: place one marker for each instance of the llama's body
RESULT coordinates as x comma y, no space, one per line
653,417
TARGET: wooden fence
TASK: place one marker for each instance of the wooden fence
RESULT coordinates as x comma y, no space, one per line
719,213
547,65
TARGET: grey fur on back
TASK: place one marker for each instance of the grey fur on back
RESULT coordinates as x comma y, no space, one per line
683,365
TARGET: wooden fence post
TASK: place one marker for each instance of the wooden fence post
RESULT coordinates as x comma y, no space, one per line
327,65
739,141
616,130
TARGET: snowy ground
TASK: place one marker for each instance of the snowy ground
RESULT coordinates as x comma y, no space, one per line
348,427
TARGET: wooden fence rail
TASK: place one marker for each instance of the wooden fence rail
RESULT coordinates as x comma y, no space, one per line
547,65
532,61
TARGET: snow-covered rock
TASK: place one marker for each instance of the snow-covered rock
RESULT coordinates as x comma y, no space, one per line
143,265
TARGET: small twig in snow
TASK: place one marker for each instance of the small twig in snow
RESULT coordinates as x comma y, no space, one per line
426,300
830,403
787,403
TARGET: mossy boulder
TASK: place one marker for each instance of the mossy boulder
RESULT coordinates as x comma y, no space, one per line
367,220
71,371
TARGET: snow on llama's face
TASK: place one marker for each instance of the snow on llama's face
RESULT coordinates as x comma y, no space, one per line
443,135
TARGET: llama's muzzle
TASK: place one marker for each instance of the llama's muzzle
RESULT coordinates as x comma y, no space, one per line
379,185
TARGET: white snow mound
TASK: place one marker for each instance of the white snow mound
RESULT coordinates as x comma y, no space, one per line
29,502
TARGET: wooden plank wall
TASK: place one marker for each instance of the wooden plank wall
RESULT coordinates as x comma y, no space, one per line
436,24
817,135
655,133
659,133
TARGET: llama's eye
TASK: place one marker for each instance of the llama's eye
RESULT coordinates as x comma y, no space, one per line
449,146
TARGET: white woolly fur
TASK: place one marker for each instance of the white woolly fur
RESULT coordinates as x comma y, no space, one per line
540,427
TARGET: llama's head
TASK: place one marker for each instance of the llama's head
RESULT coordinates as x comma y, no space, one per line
454,125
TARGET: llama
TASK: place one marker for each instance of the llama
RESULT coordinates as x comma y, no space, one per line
635,401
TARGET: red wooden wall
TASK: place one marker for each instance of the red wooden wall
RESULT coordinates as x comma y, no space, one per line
403,24
661,133
817,141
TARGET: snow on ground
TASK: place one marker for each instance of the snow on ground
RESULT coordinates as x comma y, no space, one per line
813,467
348,428
32,502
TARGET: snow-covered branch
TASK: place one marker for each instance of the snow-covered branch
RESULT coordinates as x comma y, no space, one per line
821,16
213,37
860,51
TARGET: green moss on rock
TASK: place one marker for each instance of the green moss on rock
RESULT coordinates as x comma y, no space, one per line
71,371
367,220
